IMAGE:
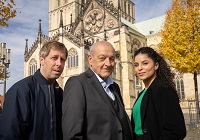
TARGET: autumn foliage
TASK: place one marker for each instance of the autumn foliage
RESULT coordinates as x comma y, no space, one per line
7,11
180,42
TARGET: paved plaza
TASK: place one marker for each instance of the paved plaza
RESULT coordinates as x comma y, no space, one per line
192,135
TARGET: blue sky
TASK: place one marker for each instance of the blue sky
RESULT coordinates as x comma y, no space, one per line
25,26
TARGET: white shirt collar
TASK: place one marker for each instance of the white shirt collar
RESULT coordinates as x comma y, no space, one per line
106,83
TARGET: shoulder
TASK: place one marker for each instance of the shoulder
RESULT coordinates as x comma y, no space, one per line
24,82
75,82
77,78
162,90
157,84
22,86
82,77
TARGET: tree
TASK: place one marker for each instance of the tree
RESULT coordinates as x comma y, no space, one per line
2,74
180,42
7,11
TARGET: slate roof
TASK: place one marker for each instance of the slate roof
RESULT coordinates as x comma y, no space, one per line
147,27
153,25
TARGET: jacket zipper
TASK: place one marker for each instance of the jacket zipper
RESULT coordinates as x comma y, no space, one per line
51,115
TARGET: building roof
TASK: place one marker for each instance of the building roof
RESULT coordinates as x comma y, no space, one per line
130,25
151,26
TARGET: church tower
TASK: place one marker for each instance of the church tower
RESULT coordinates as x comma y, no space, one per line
70,10
80,23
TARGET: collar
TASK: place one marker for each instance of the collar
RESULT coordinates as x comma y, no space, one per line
105,83
42,81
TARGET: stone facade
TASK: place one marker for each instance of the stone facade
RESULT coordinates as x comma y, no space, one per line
80,23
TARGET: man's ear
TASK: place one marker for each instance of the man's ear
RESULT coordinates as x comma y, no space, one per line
41,61
90,59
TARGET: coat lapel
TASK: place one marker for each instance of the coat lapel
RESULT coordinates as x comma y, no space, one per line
147,96
117,93
92,79
144,104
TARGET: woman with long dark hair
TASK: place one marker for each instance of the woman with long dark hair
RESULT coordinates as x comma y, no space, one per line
156,114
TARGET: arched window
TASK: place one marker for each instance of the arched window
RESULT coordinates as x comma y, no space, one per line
32,66
179,85
182,92
135,44
72,58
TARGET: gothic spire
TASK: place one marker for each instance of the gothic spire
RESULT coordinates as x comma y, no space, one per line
61,18
26,47
71,20
39,31
61,23
71,23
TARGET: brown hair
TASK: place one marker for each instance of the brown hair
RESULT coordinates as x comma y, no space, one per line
44,52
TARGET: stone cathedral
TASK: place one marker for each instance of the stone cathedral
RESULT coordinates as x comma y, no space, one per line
80,23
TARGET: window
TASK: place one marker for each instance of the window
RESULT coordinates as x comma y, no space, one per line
179,85
32,66
72,58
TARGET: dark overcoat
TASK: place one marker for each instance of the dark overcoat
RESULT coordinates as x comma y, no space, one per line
32,110
87,112
161,115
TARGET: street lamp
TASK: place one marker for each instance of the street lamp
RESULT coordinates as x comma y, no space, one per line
5,59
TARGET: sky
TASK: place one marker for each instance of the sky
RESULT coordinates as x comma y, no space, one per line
25,26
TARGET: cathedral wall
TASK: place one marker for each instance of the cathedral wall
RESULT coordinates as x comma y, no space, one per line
126,69
25,69
137,40
125,40
68,72
189,95
153,40
35,56
71,8
188,79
